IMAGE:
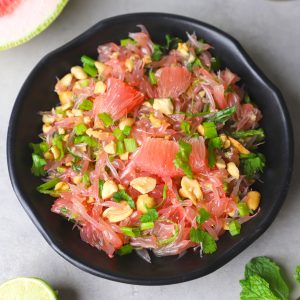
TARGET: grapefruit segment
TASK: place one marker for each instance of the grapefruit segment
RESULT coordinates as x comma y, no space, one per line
172,81
120,99
156,157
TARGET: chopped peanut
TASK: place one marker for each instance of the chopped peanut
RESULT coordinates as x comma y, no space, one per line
118,214
55,151
110,148
225,141
48,119
78,73
253,199
66,80
143,184
190,188
164,105
109,188
100,87
143,202
233,170
61,186
200,129
66,97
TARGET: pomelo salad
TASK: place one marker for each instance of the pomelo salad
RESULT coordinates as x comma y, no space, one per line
152,147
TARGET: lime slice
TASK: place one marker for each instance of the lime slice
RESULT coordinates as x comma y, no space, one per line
26,288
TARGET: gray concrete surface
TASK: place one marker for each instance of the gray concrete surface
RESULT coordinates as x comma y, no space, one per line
270,32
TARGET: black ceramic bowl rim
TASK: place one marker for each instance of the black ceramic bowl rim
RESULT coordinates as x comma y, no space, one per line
177,277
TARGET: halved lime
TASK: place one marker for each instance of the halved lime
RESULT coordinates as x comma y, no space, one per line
26,288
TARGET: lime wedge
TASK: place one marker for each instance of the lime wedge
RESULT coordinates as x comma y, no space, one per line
26,288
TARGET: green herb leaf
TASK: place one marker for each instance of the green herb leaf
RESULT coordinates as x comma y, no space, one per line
297,274
147,225
171,239
269,271
80,129
224,115
204,215
76,167
124,250
234,228
86,60
214,143
86,140
58,142
247,99
172,42
164,195
256,288
39,148
243,209
127,130
86,105
152,78
185,127
106,119
101,184
47,187
122,195
157,53
215,64
150,216
210,130
202,237
130,144
242,134
90,70
252,163
131,231
38,164
86,179
118,133
125,42
120,149
182,158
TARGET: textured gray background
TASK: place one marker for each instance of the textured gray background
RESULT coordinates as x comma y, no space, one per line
269,31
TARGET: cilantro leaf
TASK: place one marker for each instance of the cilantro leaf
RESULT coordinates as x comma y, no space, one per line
150,216
202,237
214,143
182,158
204,215
270,272
252,163
39,148
38,164
122,195
256,288
297,274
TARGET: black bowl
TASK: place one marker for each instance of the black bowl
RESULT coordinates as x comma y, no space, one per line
37,95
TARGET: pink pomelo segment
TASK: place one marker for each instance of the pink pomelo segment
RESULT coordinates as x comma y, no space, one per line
156,156
120,99
172,81
8,6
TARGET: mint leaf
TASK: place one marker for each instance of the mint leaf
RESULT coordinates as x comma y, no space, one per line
270,272
256,288
297,274
38,164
